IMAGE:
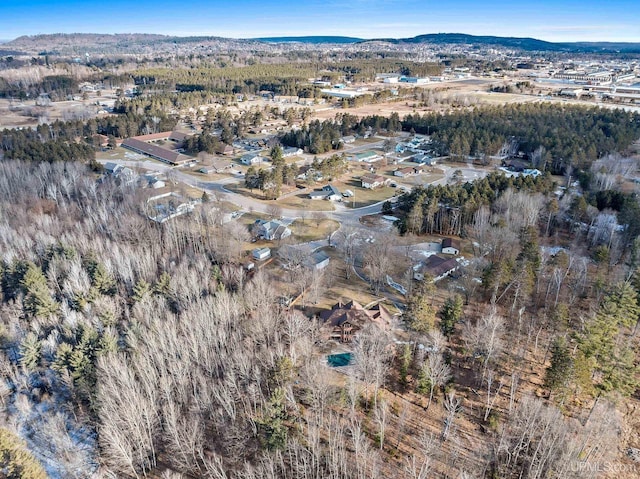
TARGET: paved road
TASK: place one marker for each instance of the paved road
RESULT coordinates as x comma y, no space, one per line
342,214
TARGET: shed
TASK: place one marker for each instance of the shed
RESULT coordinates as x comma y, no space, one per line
261,253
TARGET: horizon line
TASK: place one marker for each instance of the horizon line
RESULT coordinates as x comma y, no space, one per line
263,37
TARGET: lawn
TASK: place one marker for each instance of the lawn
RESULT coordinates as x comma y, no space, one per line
206,177
301,201
295,200
340,287
120,154
363,196
311,229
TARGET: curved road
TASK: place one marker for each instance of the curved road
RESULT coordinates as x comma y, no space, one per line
342,214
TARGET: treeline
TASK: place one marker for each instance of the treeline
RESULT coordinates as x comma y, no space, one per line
53,150
58,87
72,140
571,135
449,209
283,79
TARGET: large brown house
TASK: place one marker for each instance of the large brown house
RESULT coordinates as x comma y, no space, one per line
344,320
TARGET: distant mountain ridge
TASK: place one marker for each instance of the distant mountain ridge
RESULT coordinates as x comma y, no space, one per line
311,39
525,43
141,42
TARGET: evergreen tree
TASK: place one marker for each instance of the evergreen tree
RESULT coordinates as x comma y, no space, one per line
30,352
163,285
450,314
604,346
560,372
141,290
101,281
16,462
37,298
420,314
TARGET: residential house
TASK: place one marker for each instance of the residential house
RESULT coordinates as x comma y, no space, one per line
366,156
318,260
343,321
215,165
112,168
251,159
401,156
404,172
152,181
408,171
100,140
286,98
261,253
328,192
348,139
291,151
169,205
450,246
224,149
271,230
127,176
372,181
435,267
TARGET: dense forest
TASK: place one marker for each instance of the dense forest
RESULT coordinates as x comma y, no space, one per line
570,135
283,79
73,140
450,210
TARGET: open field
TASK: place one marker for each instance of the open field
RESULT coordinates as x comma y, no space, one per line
17,113
294,200
122,154
363,196
312,229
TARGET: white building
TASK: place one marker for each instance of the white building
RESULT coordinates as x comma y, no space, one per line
251,159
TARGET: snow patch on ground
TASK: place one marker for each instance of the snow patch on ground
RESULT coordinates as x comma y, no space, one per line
64,446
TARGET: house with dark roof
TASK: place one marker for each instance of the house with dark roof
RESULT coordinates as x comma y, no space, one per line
271,230
328,192
318,260
450,246
344,320
112,168
372,181
224,149
436,267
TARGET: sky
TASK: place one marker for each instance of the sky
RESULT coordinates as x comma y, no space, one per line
551,20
